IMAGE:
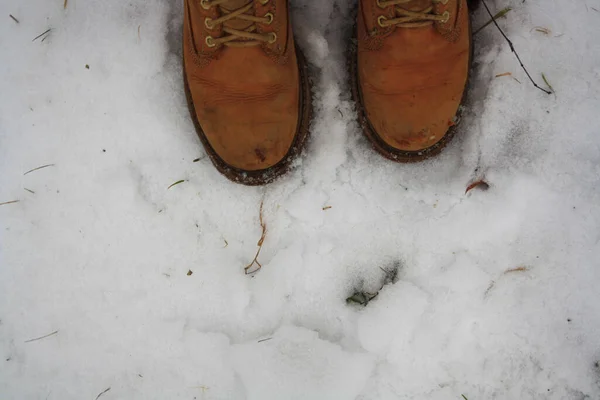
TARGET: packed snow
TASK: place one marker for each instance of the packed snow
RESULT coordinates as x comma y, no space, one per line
114,284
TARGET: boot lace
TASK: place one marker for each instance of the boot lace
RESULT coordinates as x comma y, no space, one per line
235,37
411,19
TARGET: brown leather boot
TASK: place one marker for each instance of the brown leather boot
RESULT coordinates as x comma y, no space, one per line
410,72
246,85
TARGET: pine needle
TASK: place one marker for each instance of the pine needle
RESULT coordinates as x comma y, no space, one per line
38,168
176,183
41,34
42,337
499,14
97,397
548,83
517,269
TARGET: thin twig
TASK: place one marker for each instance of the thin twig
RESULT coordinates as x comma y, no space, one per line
512,48
35,169
9,202
13,18
41,34
65,4
42,337
264,340
97,397
263,226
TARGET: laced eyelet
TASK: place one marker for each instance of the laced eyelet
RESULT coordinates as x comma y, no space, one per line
380,20
270,17
446,16
205,4
379,4
207,23
210,41
272,37
263,2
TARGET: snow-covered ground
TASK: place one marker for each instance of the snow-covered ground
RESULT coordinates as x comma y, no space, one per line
141,287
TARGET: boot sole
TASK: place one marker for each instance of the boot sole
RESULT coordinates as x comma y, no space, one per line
267,175
389,152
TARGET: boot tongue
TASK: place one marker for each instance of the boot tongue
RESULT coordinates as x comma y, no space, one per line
236,23
416,5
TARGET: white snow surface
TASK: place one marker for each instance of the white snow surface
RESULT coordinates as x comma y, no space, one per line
496,295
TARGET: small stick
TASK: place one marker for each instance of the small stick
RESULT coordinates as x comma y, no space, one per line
97,397
9,202
264,340
65,4
248,270
35,169
42,337
13,18
512,48
41,34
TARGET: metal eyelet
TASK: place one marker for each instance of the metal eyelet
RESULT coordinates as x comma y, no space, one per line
272,37
210,41
270,17
379,4
446,16
207,23
380,20
205,4
263,2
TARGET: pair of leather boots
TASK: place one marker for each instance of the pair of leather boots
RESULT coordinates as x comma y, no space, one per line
249,94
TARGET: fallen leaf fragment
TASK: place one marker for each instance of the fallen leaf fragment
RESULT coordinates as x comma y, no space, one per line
480,184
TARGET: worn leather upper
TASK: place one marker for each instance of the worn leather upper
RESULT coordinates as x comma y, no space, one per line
246,99
412,80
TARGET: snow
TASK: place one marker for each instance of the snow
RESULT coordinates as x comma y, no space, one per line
495,292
